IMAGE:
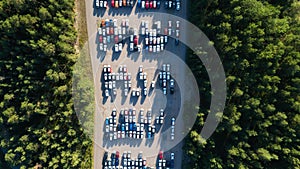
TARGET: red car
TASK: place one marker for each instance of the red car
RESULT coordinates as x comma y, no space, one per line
135,40
166,31
147,5
161,155
116,39
117,154
111,30
113,3
101,39
151,4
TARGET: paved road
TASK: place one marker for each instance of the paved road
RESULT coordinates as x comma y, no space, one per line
99,59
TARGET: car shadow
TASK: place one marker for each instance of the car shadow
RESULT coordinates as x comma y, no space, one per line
125,11
98,11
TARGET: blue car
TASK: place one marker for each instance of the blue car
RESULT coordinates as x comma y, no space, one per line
149,135
123,127
107,121
117,162
139,3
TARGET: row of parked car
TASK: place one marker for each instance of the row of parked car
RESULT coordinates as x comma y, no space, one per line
165,77
173,4
115,161
110,33
154,39
143,4
163,163
148,4
124,162
128,126
111,78
122,3
101,3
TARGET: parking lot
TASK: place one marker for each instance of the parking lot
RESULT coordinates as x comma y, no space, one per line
110,96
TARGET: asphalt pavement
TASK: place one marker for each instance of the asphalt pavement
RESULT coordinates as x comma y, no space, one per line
132,61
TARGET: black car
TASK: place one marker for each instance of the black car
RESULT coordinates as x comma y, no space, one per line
104,157
176,42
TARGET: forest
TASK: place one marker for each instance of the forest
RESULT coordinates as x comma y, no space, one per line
38,124
258,42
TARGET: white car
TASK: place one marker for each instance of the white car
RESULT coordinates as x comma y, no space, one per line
116,31
105,48
115,22
120,46
170,24
127,22
154,40
152,84
116,48
121,76
129,76
154,32
125,84
173,121
145,83
146,41
143,31
170,32
162,46
177,33
154,49
107,30
141,76
125,92
177,24
113,84
120,31
168,67
100,31
97,3
141,69
110,84
154,4
145,91
101,46
104,40
164,67
124,31
135,32
133,93
150,48
117,76
158,40
158,48
145,76
165,91
168,75
131,47
129,84
106,93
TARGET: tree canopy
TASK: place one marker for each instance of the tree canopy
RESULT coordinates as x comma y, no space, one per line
258,42
39,127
